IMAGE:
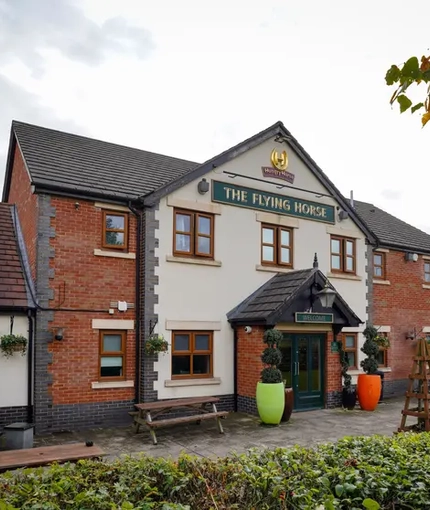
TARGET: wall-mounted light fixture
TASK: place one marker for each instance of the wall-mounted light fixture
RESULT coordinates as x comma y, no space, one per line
411,257
410,335
343,215
203,186
58,333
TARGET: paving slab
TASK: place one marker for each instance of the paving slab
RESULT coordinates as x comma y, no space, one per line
242,432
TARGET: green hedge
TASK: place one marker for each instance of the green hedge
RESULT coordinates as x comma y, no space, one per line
354,473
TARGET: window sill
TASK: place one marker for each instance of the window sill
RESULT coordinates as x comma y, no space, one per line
102,385
273,269
198,262
426,286
383,282
344,276
358,372
172,383
114,254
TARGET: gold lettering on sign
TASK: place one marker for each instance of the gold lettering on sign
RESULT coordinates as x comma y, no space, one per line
279,161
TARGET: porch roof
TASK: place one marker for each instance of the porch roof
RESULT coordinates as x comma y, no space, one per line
287,293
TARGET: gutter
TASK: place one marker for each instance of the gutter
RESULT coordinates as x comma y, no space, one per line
235,337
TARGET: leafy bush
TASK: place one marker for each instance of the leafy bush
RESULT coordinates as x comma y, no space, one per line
354,473
371,349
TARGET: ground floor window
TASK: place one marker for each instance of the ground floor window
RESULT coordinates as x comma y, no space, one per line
112,354
349,341
192,353
382,357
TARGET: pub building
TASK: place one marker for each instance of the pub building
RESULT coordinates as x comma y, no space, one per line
123,243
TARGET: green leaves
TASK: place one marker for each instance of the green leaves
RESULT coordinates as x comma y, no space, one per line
412,72
404,103
373,473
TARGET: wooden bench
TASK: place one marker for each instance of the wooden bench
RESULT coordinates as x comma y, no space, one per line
41,456
146,413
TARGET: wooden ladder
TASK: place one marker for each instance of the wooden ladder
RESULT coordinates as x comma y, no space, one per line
420,372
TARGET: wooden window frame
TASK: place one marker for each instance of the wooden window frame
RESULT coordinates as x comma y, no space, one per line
351,349
426,263
343,255
382,265
277,246
194,234
107,246
385,351
192,352
113,354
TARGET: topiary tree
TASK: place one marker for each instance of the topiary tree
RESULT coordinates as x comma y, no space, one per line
271,356
371,349
344,363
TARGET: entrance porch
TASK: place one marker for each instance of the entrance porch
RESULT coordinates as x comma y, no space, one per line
310,363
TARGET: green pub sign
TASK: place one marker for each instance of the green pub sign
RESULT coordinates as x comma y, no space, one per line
263,200
314,318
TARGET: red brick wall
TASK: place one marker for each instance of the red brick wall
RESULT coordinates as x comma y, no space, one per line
85,281
27,207
403,305
333,379
249,365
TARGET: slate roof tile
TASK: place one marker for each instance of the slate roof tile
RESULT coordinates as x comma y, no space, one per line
12,283
81,164
392,231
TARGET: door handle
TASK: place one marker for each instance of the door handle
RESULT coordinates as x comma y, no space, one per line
298,368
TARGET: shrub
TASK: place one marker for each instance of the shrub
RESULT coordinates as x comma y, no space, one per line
371,349
354,473
271,356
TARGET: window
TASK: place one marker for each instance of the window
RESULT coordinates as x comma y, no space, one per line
427,272
192,354
115,230
382,357
112,355
276,246
350,347
342,255
379,266
193,234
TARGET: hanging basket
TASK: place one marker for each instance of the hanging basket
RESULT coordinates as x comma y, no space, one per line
155,344
11,344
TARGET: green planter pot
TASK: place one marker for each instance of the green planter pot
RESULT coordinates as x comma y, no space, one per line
270,402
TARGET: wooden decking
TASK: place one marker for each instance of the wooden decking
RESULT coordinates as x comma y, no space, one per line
13,459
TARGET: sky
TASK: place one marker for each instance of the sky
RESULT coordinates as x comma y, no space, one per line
192,78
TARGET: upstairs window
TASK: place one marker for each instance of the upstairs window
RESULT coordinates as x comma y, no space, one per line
115,230
379,266
343,256
193,234
276,246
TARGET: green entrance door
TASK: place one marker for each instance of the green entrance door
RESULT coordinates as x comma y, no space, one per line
303,368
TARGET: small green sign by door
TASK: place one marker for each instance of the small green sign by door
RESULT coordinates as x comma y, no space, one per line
314,318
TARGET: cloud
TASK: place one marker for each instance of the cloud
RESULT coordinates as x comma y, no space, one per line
16,103
391,194
29,27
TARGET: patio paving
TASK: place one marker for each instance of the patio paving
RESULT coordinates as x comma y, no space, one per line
241,433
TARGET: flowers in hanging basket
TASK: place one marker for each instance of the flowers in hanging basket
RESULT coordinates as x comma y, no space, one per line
156,343
9,344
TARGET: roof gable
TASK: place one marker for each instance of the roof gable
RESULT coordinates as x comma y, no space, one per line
391,231
59,161
13,287
279,133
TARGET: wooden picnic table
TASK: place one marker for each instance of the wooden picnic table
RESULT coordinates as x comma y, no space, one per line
147,413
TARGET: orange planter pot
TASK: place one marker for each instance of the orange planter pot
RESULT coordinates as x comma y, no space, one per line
368,391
